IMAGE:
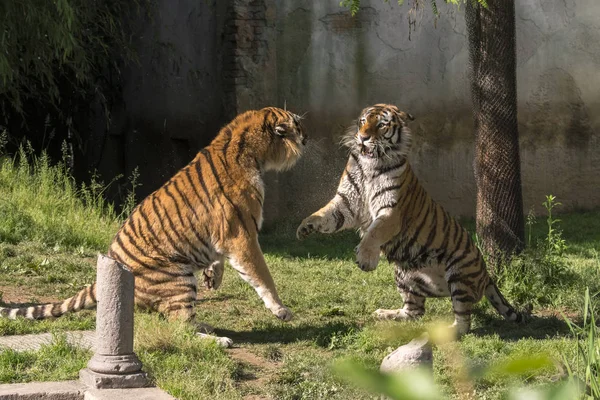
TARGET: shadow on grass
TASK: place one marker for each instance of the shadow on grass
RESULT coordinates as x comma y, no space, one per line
320,335
282,241
535,327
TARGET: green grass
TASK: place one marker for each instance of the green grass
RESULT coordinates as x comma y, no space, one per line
50,238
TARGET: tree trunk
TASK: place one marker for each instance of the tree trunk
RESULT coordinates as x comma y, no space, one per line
492,53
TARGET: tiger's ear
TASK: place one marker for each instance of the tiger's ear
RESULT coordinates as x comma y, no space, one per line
404,116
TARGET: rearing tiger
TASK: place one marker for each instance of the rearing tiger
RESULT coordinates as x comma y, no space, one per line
210,210
379,194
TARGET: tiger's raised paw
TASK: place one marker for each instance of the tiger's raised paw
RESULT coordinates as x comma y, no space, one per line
283,313
367,258
310,225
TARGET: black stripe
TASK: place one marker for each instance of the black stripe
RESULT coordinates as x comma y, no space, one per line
391,204
405,288
151,241
92,295
80,299
464,299
423,287
129,254
189,177
176,204
227,139
432,232
413,238
38,312
179,306
459,277
218,180
384,190
383,170
352,182
346,203
339,219
185,199
71,304
147,221
362,172
167,232
199,173
458,260
55,312
241,144
255,222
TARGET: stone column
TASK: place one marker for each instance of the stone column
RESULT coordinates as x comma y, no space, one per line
114,364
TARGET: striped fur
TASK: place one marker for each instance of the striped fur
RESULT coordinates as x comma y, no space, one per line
379,194
209,211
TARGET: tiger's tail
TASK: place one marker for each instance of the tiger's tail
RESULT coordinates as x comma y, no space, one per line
492,293
85,299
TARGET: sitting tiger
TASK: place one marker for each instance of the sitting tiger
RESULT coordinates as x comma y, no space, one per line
210,210
379,194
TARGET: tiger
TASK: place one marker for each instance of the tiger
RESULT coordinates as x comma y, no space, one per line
209,211
378,193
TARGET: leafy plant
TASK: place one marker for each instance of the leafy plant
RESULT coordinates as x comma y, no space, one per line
530,221
555,244
130,200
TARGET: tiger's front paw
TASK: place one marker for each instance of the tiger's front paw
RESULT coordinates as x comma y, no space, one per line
367,257
311,224
283,313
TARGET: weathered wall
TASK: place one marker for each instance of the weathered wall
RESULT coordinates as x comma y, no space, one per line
317,59
201,62
174,99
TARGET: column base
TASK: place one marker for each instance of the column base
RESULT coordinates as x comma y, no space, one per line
115,364
98,380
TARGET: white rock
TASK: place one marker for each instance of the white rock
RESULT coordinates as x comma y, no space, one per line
417,352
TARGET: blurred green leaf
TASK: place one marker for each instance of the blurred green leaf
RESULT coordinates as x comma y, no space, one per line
414,384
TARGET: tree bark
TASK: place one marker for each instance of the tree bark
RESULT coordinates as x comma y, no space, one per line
492,53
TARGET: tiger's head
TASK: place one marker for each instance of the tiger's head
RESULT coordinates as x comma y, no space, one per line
287,138
274,138
380,132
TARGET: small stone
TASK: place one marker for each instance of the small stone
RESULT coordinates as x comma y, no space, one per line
416,353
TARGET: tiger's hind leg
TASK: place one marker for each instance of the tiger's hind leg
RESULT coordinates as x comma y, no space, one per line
414,302
178,298
463,300
414,308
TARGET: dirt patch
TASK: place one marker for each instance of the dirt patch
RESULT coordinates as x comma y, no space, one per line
558,313
13,295
260,371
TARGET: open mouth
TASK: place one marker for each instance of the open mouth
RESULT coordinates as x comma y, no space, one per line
367,152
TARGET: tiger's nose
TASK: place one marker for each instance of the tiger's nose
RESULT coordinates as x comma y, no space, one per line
363,138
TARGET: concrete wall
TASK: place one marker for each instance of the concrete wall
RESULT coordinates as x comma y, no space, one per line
174,99
201,62
318,59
